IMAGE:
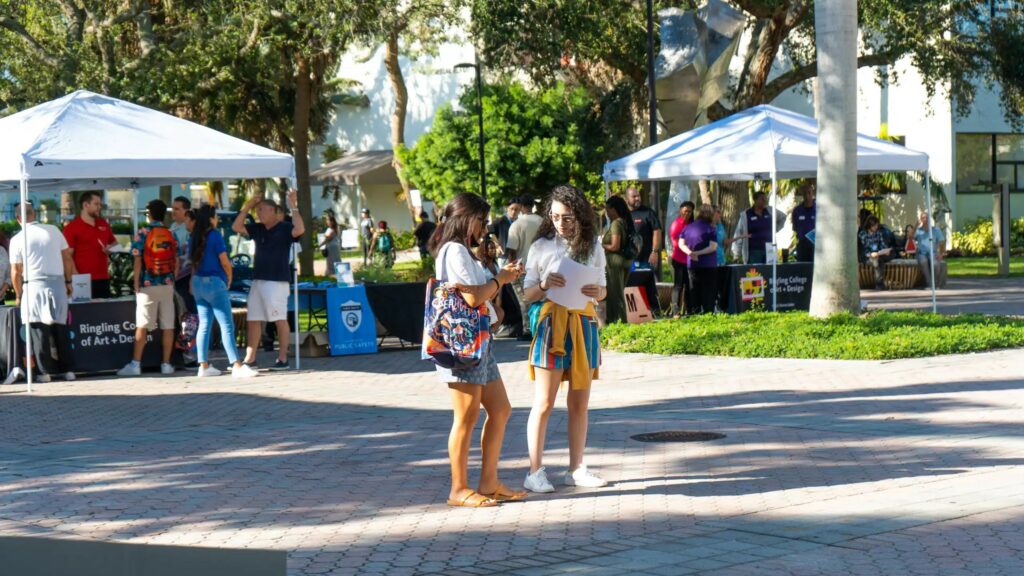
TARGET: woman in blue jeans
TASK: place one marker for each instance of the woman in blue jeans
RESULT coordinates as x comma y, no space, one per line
211,277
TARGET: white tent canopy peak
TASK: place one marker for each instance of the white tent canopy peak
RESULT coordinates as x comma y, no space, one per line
90,140
753,144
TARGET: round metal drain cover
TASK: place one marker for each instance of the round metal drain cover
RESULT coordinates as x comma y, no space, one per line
677,436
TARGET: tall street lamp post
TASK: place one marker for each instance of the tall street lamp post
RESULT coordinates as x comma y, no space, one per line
480,122
652,111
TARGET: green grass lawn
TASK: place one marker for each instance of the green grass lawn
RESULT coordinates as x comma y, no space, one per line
874,336
982,266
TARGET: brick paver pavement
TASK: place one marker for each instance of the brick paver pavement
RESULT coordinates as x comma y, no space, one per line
906,467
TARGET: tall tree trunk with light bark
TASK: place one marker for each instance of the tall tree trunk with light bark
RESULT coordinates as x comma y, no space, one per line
835,288
300,147
398,114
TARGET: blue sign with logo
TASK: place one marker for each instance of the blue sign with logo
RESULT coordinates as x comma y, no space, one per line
351,327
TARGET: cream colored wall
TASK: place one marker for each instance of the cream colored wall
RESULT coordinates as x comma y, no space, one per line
382,200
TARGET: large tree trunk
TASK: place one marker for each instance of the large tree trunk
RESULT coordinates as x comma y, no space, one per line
398,115
835,288
300,142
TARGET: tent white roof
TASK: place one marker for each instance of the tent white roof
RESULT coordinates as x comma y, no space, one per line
85,141
754,144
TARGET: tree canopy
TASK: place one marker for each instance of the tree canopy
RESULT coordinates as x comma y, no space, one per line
263,71
534,141
956,45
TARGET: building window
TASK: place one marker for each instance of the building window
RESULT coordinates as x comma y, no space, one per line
986,159
974,164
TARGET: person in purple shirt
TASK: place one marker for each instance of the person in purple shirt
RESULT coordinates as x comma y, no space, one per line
803,223
700,243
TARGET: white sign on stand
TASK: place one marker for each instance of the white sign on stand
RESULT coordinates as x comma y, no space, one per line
81,287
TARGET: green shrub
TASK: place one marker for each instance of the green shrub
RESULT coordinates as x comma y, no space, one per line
404,240
874,336
975,239
409,271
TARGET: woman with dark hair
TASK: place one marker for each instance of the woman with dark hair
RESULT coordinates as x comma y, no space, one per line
331,245
211,277
619,261
565,343
875,248
680,262
463,225
700,242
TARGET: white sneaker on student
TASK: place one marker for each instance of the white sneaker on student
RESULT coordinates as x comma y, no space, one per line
208,371
130,369
584,478
244,371
166,369
69,376
538,482
41,378
14,375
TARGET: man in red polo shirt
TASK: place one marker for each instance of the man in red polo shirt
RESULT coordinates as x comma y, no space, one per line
90,240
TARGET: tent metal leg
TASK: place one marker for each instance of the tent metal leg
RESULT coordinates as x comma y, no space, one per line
931,237
775,250
25,279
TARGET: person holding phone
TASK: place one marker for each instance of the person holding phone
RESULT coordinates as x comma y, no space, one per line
464,224
565,343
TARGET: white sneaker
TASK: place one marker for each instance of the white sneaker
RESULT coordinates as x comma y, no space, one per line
14,375
130,370
166,369
41,378
208,371
538,482
69,376
244,371
584,478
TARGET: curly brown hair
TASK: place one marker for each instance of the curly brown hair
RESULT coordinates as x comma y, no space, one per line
582,242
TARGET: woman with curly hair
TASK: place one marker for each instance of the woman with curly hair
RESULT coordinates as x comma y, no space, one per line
565,342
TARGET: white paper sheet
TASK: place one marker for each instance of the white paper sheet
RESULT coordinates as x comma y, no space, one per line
576,277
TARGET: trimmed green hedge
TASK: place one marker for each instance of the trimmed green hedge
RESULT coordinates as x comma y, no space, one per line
975,239
874,336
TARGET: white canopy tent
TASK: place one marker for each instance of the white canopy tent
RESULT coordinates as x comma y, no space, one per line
90,141
760,143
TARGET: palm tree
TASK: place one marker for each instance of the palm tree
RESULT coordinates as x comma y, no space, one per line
835,287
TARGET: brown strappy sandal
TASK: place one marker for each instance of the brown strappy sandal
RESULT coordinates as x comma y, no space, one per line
506,494
484,502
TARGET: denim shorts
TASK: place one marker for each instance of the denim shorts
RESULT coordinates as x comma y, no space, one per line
484,372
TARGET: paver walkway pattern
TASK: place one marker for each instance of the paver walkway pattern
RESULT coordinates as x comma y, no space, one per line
905,467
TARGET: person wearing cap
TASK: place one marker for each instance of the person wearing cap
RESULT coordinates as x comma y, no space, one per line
46,267
90,240
366,231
